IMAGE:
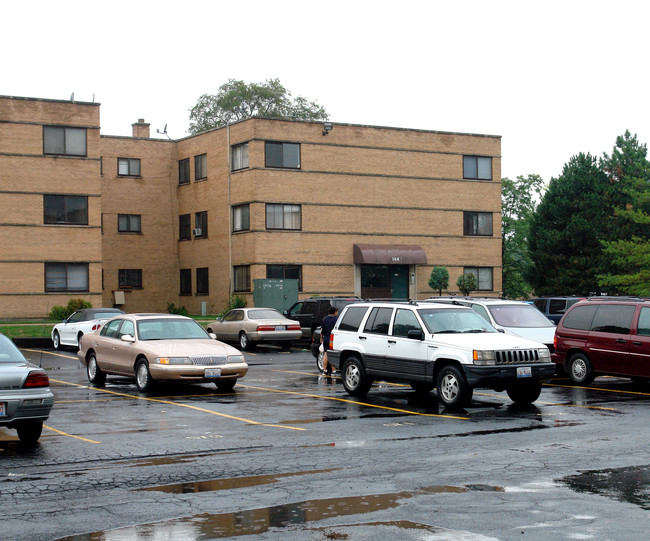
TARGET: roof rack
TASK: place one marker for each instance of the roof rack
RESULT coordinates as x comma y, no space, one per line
616,298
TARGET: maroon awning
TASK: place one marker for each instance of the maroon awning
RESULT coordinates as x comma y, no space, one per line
388,254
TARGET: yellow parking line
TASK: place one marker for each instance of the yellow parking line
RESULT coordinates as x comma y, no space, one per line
70,435
598,389
321,397
188,406
553,403
75,358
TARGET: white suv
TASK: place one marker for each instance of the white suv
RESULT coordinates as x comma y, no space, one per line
427,345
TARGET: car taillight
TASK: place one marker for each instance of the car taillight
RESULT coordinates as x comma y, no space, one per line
331,341
293,327
96,326
37,378
555,342
265,328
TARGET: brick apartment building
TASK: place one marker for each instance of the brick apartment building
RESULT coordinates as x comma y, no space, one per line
138,222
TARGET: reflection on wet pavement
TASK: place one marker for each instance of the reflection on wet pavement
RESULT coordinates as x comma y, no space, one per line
623,484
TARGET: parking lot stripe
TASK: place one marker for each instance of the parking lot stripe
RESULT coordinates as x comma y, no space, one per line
619,391
70,435
188,406
321,397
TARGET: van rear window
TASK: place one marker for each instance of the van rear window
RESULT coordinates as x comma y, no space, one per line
580,318
352,318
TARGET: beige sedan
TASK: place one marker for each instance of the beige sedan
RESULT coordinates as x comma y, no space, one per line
159,347
248,326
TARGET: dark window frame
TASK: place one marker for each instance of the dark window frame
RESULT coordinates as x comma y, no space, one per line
201,222
185,276
472,224
63,130
63,199
278,156
184,227
245,220
202,281
183,171
130,165
284,227
50,267
242,282
238,158
129,278
201,167
468,270
472,167
130,228
273,272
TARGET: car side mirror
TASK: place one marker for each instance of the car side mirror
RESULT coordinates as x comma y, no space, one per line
213,336
127,338
415,334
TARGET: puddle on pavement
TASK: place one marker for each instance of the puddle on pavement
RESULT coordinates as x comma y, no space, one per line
257,521
631,484
227,484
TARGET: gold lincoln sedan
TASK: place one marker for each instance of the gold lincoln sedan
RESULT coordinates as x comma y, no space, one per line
159,347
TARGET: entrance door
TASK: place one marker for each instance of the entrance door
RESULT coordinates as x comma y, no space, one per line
385,281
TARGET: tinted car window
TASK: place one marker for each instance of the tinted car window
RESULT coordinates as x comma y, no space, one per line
615,318
540,303
352,319
405,321
557,306
643,327
379,321
580,318
111,328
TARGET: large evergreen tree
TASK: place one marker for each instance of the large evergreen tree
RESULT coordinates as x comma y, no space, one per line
567,228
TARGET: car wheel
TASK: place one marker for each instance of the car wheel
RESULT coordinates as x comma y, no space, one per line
355,380
56,340
226,385
453,390
421,387
525,393
319,361
95,374
79,340
580,370
143,380
30,431
244,342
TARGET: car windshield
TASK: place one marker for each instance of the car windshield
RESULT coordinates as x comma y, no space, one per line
519,315
453,320
170,329
264,314
9,353
103,315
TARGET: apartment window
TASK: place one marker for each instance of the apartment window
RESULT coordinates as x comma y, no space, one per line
286,155
200,167
65,209
240,157
201,224
186,281
483,276
202,282
477,223
130,278
184,171
128,223
185,227
128,167
477,167
282,216
285,272
242,277
64,140
241,220
66,277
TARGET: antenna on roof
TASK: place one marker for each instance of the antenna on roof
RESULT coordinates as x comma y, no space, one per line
164,132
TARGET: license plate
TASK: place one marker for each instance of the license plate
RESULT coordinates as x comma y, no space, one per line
280,328
212,372
3,409
524,372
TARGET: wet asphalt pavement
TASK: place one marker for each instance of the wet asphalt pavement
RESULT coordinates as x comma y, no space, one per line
289,455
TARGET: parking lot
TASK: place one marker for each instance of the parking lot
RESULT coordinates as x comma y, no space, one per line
290,455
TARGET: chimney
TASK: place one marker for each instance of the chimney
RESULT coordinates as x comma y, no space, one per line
141,129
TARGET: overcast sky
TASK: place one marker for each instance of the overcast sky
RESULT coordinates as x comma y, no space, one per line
553,78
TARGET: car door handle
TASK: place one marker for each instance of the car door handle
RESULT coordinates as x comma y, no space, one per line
621,341
636,343
392,341
362,338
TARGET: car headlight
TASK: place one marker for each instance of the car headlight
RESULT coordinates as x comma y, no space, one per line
484,358
235,358
172,360
544,354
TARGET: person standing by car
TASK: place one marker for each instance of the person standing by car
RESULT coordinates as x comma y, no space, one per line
326,331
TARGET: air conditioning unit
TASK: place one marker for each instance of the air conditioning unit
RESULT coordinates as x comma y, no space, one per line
196,232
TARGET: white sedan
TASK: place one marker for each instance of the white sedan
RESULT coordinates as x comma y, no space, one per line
84,321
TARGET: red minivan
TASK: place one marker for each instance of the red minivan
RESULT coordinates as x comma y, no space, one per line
604,336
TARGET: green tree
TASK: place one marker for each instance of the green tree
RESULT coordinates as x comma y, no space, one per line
566,229
237,100
439,279
467,283
519,198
